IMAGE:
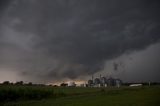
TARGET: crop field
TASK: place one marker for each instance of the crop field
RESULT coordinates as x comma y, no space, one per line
11,95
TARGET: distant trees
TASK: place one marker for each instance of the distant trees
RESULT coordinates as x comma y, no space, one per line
19,83
6,83
55,85
30,84
10,83
63,84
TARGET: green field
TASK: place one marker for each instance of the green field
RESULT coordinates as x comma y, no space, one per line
59,96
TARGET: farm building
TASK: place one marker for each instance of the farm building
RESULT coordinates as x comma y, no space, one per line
104,82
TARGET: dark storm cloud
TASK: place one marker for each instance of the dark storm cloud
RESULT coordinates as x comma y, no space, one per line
4,4
66,38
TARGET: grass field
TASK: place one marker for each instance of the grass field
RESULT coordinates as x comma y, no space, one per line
57,96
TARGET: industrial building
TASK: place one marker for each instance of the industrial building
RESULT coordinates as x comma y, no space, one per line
96,82
104,82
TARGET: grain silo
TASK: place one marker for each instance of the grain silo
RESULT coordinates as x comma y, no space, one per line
71,84
111,82
103,81
90,83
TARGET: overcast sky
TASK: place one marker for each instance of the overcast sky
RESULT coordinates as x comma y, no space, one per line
52,40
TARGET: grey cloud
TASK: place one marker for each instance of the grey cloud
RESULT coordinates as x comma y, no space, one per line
67,39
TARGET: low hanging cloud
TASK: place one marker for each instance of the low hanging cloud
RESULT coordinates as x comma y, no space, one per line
48,40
